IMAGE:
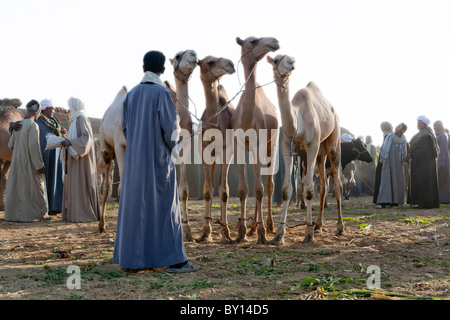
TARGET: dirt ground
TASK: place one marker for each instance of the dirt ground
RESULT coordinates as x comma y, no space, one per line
409,247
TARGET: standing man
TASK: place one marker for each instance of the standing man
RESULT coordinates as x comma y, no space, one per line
423,154
386,128
54,173
80,197
393,154
25,188
368,169
443,162
149,233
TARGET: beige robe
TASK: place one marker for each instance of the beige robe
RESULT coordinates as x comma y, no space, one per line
25,188
80,198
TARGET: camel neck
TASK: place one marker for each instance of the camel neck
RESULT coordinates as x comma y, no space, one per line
288,118
211,97
249,95
182,92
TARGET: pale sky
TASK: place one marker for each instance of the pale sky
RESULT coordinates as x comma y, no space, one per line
374,60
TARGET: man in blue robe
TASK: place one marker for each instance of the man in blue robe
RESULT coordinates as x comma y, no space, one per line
149,233
54,172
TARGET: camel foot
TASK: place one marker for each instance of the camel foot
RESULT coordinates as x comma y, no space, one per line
205,237
101,227
279,237
309,236
252,230
340,230
241,238
242,231
187,234
226,237
262,235
206,234
318,226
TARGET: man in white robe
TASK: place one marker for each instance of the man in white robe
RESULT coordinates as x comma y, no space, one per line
25,189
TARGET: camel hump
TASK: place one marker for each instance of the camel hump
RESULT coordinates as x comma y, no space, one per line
313,86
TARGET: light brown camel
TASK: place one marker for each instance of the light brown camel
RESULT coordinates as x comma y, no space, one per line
184,64
254,114
214,132
112,146
310,121
7,114
10,112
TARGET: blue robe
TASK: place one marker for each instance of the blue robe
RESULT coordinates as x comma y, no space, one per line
149,233
54,170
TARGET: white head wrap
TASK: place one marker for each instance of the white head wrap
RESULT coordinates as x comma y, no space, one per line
424,119
46,103
76,107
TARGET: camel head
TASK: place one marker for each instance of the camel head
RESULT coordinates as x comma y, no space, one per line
257,48
62,114
212,68
282,65
184,64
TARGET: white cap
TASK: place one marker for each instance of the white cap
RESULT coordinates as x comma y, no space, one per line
46,103
424,119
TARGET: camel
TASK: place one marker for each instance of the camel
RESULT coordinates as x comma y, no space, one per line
255,111
112,146
7,114
184,64
10,112
211,70
310,121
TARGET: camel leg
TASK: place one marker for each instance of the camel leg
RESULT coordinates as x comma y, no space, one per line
207,195
309,190
259,195
335,163
286,195
102,221
183,194
243,194
322,186
3,178
270,188
224,193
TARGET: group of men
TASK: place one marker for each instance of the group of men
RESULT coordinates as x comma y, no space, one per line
47,178
427,178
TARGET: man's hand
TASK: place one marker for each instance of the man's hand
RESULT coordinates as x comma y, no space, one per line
16,126
41,170
66,143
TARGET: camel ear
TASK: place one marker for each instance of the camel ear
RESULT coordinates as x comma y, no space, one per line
171,61
239,41
270,60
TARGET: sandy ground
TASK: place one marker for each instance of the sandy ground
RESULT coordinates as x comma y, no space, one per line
408,249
